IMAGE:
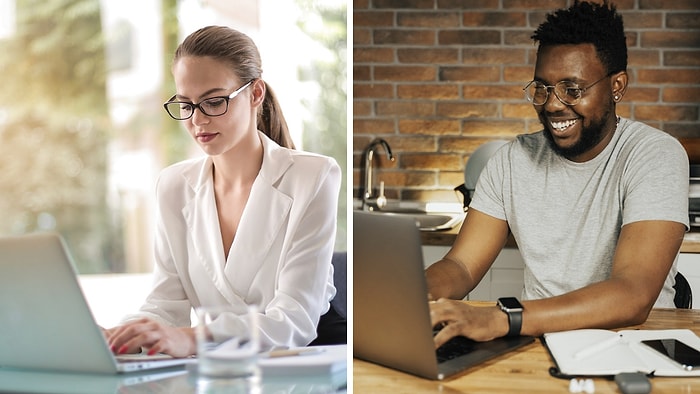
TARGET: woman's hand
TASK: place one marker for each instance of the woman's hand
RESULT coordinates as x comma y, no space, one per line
474,322
152,336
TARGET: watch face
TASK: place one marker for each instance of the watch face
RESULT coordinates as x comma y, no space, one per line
510,303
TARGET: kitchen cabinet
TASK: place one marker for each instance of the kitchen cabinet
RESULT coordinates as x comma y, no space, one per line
503,279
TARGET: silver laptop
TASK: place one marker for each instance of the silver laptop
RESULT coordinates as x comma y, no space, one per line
45,321
390,304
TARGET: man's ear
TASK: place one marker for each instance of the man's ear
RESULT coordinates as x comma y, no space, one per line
619,85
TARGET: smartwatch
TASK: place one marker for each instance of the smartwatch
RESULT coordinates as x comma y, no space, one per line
514,309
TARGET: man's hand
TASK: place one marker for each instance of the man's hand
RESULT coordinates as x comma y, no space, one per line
474,322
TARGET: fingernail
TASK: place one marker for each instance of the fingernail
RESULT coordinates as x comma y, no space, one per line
151,352
113,348
123,349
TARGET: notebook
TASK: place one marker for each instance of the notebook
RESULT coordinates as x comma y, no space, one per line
45,321
390,303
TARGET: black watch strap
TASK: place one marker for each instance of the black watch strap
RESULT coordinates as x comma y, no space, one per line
514,309
515,323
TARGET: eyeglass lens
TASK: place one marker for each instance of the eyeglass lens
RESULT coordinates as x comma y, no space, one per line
214,106
567,92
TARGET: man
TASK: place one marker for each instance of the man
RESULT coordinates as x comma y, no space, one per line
597,204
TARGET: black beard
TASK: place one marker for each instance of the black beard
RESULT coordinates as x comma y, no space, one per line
591,135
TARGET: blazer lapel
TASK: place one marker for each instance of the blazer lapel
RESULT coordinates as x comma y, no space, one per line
265,213
204,233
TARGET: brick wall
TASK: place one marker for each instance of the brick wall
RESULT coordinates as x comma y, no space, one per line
437,78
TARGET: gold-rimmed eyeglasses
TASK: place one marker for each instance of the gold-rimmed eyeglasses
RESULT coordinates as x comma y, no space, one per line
568,92
213,106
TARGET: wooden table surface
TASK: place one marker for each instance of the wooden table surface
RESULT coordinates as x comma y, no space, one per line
522,371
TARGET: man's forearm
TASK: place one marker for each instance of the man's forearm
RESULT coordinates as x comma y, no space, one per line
448,279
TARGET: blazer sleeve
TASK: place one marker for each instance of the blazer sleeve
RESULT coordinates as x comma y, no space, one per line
305,280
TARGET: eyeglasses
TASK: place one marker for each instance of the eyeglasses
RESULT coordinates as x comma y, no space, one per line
567,92
213,106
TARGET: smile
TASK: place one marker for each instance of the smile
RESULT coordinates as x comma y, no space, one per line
561,126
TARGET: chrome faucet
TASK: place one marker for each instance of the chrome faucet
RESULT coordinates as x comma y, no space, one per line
368,154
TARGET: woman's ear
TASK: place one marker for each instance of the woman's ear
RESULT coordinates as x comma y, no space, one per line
259,89
619,85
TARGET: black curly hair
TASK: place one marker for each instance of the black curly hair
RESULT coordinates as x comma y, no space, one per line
588,23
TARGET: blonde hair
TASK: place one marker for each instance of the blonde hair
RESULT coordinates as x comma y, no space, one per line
239,52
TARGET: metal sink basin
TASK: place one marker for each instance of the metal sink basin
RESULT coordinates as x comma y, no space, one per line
426,221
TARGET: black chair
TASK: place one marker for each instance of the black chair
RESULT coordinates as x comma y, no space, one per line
332,327
684,294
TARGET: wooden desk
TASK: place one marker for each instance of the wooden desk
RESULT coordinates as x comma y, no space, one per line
524,370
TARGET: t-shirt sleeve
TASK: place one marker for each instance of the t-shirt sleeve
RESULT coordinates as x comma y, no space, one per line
655,185
488,195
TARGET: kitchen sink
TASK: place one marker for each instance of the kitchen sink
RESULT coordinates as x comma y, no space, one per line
426,221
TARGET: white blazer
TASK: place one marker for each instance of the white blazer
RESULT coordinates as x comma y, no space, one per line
280,259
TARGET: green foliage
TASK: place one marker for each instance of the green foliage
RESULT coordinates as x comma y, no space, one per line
53,132
326,132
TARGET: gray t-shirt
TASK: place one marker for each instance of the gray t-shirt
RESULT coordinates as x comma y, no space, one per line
566,217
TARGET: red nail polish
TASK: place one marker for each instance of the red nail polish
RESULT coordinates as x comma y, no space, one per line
123,349
113,348
151,352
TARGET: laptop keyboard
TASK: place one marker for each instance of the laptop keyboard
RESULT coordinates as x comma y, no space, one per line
455,347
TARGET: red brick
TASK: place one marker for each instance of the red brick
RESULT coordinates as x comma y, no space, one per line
361,36
412,143
428,55
372,55
665,112
372,90
518,37
472,74
405,108
442,20
519,111
643,57
464,109
467,4
671,5
361,108
682,58
685,20
670,39
361,73
463,145
403,36
520,75
469,37
494,19
403,4
476,55
365,126
372,19
647,20
405,73
431,161
664,76
534,4
357,4
640,94
491,92
424,91
682,95
492,128
429,126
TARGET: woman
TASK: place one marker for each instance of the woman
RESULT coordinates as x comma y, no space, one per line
252,222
